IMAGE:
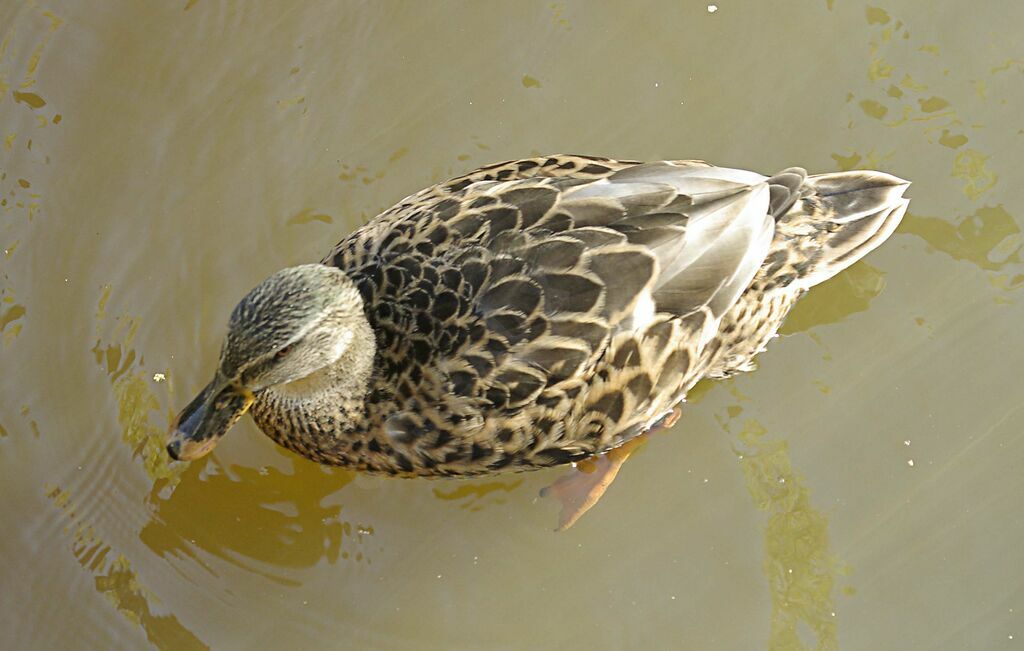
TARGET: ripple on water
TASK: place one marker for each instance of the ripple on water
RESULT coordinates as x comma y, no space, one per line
106,495
114,578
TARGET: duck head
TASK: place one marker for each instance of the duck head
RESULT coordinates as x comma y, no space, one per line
294,324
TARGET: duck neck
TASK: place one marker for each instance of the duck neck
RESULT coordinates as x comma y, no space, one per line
311,415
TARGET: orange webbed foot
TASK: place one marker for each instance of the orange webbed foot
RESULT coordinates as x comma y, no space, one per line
580,489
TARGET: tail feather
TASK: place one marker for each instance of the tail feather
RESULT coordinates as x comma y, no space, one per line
846,216
785,189
849,196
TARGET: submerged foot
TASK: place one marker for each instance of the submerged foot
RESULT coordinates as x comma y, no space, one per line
582,487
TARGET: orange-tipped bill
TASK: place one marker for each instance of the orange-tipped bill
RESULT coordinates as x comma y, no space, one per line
199,426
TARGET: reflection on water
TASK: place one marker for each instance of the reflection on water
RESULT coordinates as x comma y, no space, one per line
135,400
238,514
473,495
115,579
10,313
32,50
800,568
989,238
120,585
969,166
850,292
798,563
262,519
133,215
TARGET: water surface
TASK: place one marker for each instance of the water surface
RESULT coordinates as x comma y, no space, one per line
861,490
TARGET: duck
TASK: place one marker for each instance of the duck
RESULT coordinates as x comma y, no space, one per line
531,313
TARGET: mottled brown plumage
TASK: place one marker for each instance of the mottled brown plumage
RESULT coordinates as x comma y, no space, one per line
535,312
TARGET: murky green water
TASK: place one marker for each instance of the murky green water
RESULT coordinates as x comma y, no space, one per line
862,490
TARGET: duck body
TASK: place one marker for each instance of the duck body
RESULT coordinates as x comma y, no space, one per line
540,311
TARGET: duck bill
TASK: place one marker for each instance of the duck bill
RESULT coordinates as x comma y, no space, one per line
199,426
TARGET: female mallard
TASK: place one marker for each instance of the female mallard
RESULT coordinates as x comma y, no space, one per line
531,313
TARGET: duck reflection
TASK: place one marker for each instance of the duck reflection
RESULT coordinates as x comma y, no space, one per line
255,518
848,293
472,496
250,517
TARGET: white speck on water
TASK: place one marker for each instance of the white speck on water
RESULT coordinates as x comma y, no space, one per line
705,480
712,9
833,614
674,598
910,462
907,442
656,84
439,575
782,480
159,377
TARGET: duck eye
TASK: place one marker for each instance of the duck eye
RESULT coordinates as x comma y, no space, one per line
284,351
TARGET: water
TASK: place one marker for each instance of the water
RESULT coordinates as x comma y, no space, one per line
860,490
